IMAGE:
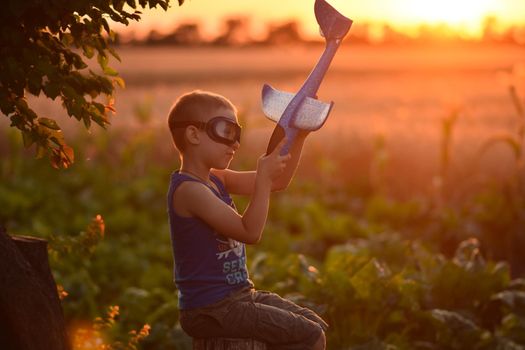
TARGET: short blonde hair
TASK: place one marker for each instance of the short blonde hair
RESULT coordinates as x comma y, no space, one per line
195,105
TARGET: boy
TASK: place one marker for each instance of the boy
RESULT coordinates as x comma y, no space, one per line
216,297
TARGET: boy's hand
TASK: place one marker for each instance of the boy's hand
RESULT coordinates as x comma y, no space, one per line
270,166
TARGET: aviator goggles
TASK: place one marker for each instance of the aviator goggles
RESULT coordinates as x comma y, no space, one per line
220,129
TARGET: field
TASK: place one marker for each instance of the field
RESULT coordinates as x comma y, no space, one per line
403,228
401,96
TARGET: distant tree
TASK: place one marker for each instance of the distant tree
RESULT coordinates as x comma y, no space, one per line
391,35
153,37
235,32
490,29
43,47
284,33
185,34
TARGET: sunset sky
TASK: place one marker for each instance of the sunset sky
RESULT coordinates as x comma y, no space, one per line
463,15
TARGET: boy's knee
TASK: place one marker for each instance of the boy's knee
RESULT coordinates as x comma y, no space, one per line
320,344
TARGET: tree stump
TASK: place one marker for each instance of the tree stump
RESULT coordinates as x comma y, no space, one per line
31,315
227,344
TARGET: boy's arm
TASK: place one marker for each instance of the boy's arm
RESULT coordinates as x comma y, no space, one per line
200,202
284,180
242,182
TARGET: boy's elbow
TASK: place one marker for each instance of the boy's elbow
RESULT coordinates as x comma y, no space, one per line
253,239
250,236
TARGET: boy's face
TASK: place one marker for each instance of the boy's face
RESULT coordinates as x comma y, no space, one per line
219,153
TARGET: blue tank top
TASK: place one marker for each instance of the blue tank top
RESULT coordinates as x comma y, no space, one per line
207,265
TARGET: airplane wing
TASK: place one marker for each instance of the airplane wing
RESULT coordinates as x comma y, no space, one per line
311,115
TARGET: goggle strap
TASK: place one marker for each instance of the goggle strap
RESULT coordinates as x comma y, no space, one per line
183,124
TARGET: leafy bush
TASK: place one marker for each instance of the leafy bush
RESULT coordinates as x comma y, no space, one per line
386,292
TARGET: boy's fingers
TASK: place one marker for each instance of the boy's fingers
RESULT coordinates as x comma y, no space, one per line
285,158
283,142
280,146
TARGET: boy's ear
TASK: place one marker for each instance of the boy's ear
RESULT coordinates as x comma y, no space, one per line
192,135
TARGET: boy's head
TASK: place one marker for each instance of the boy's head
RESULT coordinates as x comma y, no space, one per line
196,108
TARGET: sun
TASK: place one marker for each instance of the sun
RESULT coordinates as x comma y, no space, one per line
452,12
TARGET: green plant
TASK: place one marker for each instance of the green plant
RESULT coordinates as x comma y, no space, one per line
441,181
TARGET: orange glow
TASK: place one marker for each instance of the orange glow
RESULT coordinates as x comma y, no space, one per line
463,15
85,337
449,11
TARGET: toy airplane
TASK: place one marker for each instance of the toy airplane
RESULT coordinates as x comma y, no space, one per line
294,112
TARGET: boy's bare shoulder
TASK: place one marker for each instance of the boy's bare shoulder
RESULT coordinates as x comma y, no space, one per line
186,195
190,189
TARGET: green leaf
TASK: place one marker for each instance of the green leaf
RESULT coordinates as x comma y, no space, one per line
7,106
27,137
453,320
40,152
114,53
102,61
365,280
26,112
51,89
513,299
468,254
59,141
517,284
454,327
68,154
48,123
120,82
110,71
67,39
106,26
87,121
34,83
45,67
88,50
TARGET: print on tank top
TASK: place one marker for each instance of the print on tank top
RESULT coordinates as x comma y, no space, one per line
234,267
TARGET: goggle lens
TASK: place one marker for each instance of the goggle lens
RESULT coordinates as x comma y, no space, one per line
225,130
